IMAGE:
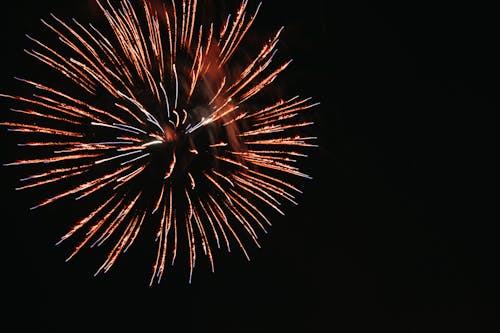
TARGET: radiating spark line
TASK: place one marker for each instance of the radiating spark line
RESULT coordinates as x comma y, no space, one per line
73,73
280,106
183,24
276,128
252,192
227,179
48,106
96,72
190,22
208,48
202,122
97,77
133,235
176,86
158,203
204,239
250,71
219,90
133,128
48,181
42,115
76,189
224,114
174,219
159,266
170,169
235,43
126,178
53,159
114,225
282,168
128,111
91,147
47,144
273,121
166,100
110,55
284,111
264,191
217,185
253,158
228,160
220,144
184,116
135,159
244,208
224,29
225,220
238,118
113,56
208,215
191,180
94,229
54,172
77,226
290,141
249,204
275,152
116,157
190,236
107,180
263,83
197,65
273,188
173,51
177,119
243,221
114,126
152,143
126,236
55,92
149,116
131,139
214,213
151,30
130,17
240,13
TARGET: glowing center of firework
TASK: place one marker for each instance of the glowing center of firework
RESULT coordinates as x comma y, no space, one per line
182,151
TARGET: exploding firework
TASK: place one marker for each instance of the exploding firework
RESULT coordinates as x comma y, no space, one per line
161,120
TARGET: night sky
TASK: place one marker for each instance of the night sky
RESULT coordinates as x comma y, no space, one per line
392,234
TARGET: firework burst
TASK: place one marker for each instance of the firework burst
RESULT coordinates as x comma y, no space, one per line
158,125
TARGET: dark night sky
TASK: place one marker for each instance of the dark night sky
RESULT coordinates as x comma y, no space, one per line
392,234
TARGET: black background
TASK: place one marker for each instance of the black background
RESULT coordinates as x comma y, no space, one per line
393,234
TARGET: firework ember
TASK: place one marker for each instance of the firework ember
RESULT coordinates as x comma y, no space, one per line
162,122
